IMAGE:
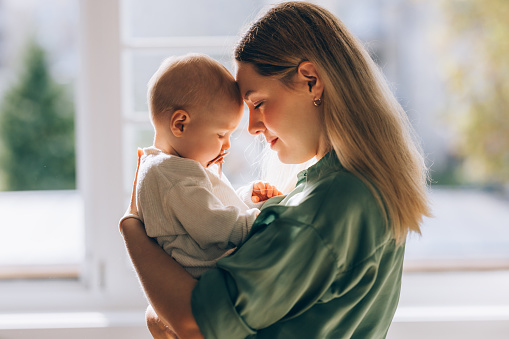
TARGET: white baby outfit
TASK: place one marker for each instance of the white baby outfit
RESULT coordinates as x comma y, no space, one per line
195,215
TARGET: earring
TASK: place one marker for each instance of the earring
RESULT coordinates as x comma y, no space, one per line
317,102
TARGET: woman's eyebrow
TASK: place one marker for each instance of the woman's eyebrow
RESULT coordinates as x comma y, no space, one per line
248,93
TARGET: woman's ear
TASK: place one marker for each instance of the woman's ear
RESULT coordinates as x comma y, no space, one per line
178,122
307,72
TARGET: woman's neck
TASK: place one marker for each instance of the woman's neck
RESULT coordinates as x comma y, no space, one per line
324,147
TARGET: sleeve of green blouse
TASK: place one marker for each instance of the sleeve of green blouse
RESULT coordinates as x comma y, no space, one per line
250,289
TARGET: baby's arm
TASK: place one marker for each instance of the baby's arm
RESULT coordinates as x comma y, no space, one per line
263,191
207,220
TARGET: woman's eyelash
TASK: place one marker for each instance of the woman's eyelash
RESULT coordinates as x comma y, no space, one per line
258,105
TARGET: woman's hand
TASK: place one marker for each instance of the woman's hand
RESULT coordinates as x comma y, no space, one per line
157,328
263,191
132,209
132,206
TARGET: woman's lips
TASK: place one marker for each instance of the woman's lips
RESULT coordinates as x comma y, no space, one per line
273,142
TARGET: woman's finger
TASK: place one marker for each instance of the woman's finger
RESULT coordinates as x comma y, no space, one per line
132,207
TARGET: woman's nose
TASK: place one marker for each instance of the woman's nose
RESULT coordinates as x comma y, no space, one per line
256,125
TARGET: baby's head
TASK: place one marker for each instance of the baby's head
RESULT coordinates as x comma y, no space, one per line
195,105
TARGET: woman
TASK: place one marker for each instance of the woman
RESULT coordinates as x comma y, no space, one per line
325,261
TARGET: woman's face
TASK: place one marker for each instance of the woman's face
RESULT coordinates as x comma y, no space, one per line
287,118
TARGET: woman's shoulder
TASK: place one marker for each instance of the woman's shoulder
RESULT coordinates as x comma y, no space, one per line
340,188
337,204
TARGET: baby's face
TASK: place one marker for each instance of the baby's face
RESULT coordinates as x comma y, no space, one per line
208,133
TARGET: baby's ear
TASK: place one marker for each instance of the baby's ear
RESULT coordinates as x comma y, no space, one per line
178,122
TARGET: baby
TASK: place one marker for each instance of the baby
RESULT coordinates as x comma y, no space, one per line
185,203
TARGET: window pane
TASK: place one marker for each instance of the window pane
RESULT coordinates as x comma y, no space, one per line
40,228
42,211
469,227
155,18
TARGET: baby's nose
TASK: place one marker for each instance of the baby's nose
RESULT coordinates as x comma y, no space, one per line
226,145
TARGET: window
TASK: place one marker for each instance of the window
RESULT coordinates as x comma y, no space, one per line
122,43
39,201
101,276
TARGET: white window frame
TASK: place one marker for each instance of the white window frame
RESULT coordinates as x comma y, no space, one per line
107,280
108,293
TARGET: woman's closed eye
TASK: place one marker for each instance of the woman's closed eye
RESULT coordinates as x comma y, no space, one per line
257,105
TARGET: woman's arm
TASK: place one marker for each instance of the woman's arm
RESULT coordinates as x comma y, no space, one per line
157,328
167,285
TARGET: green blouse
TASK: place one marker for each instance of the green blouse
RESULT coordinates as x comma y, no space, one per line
318,263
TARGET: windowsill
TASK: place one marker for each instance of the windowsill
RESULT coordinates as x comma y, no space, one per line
456,265
25,321
77,325
39,272
418,322
452,314
432,305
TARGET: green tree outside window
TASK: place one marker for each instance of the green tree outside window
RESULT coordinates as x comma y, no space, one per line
37,129
477,37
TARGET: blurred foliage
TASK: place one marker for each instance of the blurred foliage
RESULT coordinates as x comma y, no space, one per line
37,129
477,37
449,173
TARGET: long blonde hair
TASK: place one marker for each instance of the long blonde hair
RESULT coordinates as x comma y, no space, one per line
365,125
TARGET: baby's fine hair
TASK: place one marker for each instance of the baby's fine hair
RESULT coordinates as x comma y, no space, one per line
191,80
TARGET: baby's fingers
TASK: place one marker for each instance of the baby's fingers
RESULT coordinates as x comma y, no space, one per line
270,191
258,187
276,192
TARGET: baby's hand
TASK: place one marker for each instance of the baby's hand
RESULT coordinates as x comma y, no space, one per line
218,160
263,191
